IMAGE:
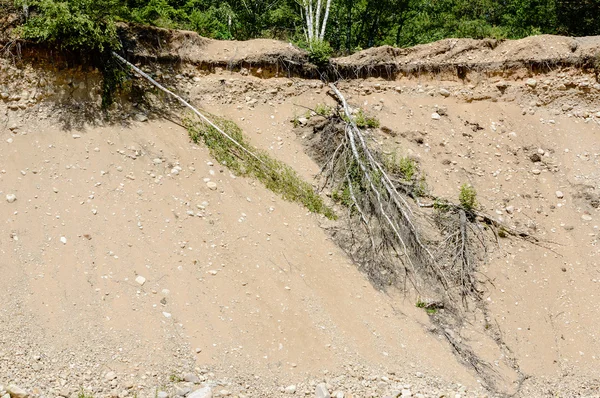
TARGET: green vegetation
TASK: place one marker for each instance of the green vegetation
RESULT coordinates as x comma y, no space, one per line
319,52
422,304
363,121
404,166
323,110
276,175
467,197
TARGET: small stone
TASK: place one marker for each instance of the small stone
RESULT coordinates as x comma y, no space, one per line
16,392
162,394
110,376
212,185
444,92
174,171
290,389
63,240
76,136
140,280
321,391
531,83
166,315
302,121
510,209
157,161
140,117
11,197
535,158
435,116
204,392
536,171
559,195
191,378
182,391
586,217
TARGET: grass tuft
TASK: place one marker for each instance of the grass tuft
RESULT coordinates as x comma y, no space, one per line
274,174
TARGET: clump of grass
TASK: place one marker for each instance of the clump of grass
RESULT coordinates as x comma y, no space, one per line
323,110
276,175
468,197
364,121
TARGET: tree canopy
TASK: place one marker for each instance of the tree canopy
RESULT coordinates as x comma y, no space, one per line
352,25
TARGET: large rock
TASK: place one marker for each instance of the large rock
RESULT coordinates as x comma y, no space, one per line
16,392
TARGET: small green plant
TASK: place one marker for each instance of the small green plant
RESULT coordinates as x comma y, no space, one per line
404,166
295,121
363,121
343,196
323,110
174,378
423,305
468,197
408,168
274,174
319,52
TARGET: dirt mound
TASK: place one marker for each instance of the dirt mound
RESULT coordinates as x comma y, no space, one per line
536,52
263,57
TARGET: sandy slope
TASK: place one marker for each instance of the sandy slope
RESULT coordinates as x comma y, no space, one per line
252,281
247,292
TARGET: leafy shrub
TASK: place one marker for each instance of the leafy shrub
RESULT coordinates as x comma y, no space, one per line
74,24
319,52
468,197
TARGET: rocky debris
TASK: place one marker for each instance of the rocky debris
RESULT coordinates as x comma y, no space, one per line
11,197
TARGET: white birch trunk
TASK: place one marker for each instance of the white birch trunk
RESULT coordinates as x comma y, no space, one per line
325,18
